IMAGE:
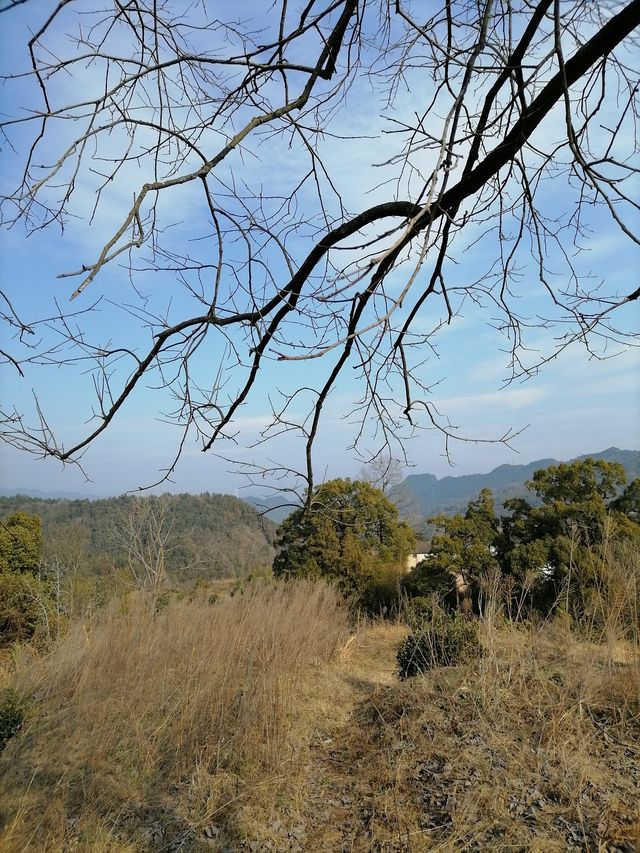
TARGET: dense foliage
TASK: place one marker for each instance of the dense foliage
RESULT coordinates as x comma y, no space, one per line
20,542
553,543
544,550
350,533
26,602
465,544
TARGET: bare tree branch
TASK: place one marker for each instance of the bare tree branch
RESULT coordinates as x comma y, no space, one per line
236,124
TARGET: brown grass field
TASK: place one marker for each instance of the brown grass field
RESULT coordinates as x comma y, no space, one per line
268,720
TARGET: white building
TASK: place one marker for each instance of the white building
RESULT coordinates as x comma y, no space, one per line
420,553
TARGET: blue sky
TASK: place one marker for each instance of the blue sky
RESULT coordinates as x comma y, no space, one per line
576,404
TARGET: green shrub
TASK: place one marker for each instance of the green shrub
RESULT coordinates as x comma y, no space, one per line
11,717
27,609
420,610
167,596
437,639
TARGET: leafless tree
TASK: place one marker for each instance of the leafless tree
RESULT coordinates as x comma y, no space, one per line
383,471
504,123
65,556
144,532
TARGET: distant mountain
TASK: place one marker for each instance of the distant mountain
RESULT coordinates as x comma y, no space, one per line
420,496
37,493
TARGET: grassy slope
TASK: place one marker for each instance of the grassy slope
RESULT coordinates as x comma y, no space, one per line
537,749
259,723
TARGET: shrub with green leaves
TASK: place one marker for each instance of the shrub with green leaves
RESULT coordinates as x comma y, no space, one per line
11,717
27,609
421,609
20,542
437,639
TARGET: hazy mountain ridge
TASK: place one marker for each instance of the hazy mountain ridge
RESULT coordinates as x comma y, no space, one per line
422,495
39,494
273,507
418,496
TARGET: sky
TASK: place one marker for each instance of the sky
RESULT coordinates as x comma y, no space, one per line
576,404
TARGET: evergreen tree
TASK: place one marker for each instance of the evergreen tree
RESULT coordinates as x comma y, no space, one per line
26,603
350,532
464,544
554,539
628,502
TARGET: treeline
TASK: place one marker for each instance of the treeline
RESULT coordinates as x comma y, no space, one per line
562,548
207,535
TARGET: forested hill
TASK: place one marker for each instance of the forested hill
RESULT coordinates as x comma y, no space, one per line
422,495
209,535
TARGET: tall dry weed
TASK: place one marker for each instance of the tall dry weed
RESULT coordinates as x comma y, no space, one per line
200,693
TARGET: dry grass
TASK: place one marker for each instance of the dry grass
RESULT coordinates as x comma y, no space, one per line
175,716
259,720
535,748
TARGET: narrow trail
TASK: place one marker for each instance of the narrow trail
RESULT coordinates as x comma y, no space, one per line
338,802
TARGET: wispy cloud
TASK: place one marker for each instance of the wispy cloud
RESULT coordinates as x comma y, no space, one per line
509,399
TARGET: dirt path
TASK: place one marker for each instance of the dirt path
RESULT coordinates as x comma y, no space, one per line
338,805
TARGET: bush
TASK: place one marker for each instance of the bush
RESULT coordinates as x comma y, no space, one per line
165,598
11,717
437,639
420,610
27,609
